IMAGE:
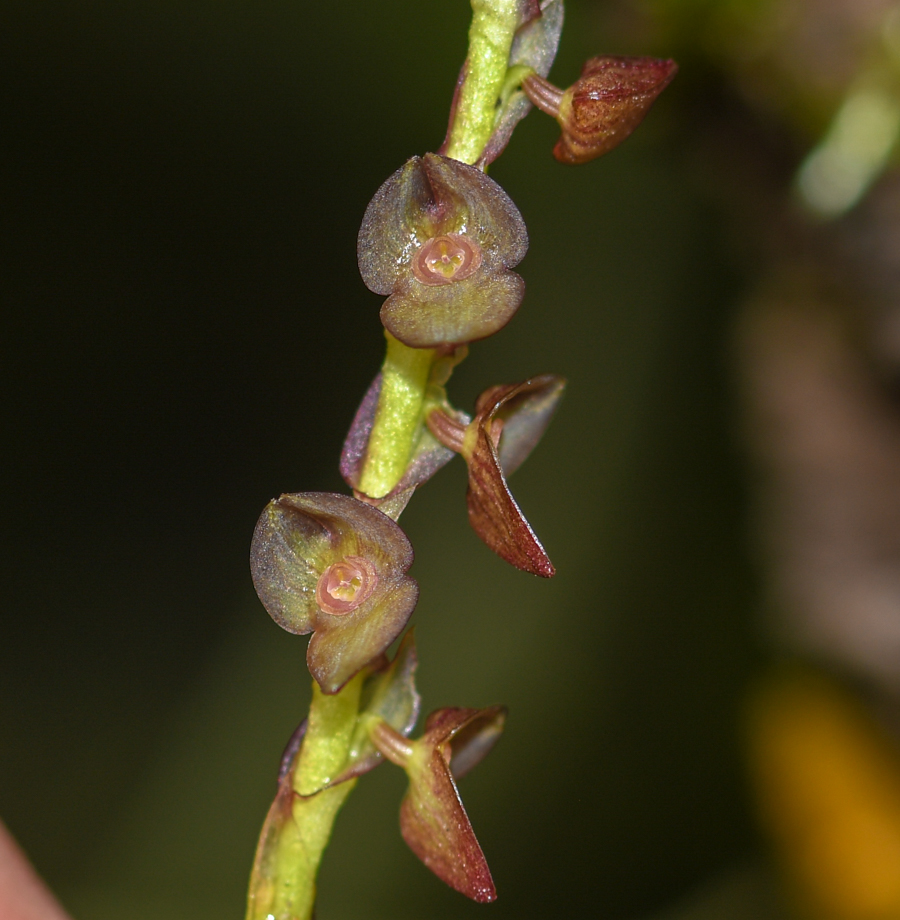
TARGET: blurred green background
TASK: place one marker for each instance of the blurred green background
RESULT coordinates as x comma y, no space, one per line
186,336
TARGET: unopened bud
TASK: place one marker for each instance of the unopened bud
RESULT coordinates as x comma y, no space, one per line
603,106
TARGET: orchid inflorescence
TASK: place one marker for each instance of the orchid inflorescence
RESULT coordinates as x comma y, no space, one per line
439,240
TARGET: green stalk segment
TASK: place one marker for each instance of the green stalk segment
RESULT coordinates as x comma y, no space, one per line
494,24
405,373
398,419
302,841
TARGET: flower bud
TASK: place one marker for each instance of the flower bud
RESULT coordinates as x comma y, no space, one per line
439,237
603,106
334,566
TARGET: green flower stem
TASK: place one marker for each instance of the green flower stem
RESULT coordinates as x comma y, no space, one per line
332,719
406,371
398,419
398,423
494,23
302,841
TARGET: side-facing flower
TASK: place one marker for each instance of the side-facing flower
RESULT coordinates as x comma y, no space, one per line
433,821
603,106
439,237
509,421
335,566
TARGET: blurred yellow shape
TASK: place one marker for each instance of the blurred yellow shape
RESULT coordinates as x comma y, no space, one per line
828,786
853,153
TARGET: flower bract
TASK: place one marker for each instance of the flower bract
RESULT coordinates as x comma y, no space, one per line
388,695
427,457
534,47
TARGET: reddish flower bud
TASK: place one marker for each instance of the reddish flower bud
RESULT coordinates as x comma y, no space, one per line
335,566
433,820
509,421
604,106
439,237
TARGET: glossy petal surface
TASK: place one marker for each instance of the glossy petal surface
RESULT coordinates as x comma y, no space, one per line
298,537
428,198
343,645
467,311
526,410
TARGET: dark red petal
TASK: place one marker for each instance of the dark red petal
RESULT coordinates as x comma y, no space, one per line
526,410
433,820
495,516
437,829
475,739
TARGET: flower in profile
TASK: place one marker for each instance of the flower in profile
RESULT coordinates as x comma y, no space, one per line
603,106
334,566
433,821
509,421
439,237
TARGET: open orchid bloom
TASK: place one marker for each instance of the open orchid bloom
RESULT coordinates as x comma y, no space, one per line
433,820
439,237
509,421
335,566
428,454
603,106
